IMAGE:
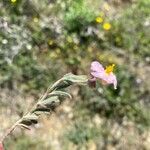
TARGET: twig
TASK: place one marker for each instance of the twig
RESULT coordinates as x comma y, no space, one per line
12,128
31,117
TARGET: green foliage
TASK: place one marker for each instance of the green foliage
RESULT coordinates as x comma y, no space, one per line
131,30
23,143
30,48
81,133
119,103
42,40
51,99
78,16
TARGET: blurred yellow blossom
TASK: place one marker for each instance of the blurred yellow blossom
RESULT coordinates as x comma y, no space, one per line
58,51
53,55
106,26
13,1
79,58
69,39
75,47
89,49
118,39
35,19
106,6
99,19
50,42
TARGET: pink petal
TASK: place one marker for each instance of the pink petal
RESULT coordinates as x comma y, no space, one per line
115,83
1,146
96,67
96,74
110,79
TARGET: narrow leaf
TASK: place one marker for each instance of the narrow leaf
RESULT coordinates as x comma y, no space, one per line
49,102
24,126
60,94
80,79
30,117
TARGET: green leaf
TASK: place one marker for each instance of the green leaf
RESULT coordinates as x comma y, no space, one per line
60,94
29,119
27,122
68,80
80,79
24,126
49,102
40,110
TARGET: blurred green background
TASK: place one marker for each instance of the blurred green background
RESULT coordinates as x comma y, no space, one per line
41,40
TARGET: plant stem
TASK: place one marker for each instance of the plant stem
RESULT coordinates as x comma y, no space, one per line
12,128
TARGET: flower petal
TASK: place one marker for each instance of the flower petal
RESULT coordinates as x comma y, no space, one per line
96,74
97,71
115,82
1,146
97,67
110,79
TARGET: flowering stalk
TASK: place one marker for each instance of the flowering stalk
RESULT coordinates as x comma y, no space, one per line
52,98
54,95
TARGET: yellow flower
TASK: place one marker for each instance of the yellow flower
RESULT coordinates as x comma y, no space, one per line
107,26
50,42
106,6
89,49
35,19
58,51
53,55
75,47
69,39
13,1
99,19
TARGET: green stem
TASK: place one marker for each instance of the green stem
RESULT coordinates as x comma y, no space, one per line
12,128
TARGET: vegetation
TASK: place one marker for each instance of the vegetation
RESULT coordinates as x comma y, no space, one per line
40,41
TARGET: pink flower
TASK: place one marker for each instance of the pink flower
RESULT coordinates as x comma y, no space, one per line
105,75
1,146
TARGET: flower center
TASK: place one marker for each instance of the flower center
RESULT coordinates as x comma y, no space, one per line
109,68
